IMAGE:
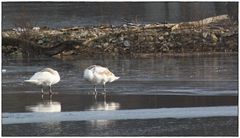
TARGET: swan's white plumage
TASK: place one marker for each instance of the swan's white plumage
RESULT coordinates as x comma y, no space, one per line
98,75
45,77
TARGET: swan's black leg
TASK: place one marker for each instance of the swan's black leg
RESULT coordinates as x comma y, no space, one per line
104,88
95,89
50,90
42,90
95,92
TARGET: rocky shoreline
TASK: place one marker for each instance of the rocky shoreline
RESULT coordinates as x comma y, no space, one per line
211,35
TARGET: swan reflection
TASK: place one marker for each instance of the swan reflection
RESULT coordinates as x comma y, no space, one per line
45,106
105,106
102,104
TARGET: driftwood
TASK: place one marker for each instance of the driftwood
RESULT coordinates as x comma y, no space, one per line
31,49
200,23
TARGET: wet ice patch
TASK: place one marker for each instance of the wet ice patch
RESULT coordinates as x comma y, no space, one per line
187,112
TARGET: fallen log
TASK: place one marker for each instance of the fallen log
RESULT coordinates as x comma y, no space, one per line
200,23
31,49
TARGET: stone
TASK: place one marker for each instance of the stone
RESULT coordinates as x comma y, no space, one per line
160,37
179,44
166,33
115,50
126,43
150,38
171,44
214,38
40,42
205,34
105,45
121,38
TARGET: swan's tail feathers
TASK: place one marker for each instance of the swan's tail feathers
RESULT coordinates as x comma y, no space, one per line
113,78
116,78
32,81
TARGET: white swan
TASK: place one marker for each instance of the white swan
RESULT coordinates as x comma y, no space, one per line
45,77
99,75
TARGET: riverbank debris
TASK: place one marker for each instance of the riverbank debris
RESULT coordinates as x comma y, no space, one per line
213,34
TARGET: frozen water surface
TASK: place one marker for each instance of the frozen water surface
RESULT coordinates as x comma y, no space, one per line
188,112
166,86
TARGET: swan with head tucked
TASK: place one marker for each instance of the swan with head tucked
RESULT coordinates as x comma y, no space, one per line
45,78
99,75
